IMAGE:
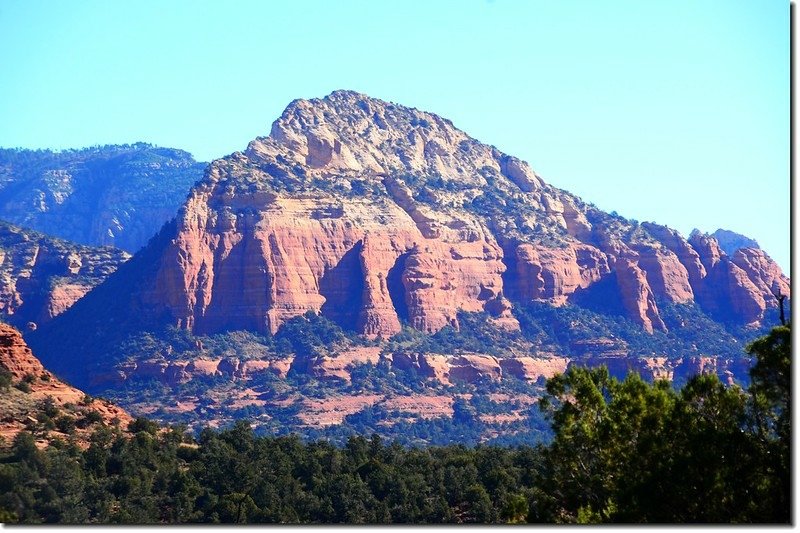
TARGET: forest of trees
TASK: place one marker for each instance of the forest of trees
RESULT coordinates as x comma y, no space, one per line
623,451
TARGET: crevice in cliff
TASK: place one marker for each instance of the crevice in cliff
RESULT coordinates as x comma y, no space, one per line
397,291
510,276
342,287
223,313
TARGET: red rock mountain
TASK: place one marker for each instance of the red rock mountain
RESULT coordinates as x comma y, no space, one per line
374,214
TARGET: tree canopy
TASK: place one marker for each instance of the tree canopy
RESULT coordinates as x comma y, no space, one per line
623,451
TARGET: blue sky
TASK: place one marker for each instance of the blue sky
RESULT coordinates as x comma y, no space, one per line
675,112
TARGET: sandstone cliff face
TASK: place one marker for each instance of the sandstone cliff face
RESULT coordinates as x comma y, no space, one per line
15,356
741,288
534,368
106,196
40,277
554,274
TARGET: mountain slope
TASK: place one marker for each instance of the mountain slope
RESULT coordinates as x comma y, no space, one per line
41,276
116,195
354,198
32,398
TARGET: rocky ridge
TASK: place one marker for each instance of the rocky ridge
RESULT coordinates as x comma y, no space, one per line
373,213
115,195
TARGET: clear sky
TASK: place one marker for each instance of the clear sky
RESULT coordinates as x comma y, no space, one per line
672,111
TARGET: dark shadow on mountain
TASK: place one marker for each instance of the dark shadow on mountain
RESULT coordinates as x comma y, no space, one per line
78,343
397,292
342,287
510,276
602,297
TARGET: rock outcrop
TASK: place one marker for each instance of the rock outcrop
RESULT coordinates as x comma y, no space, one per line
738,289
637,296
353,204
534,368
17,406
15,356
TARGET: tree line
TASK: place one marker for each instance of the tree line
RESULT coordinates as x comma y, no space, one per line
623,451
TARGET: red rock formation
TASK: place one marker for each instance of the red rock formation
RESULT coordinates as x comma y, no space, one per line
707,249
441,279
17,359
472,367
739,288
667,277
365,211
339,365
637,297
255,272
555,273
428,365
378,257
445,368
15,356
534,368
374,215
763,272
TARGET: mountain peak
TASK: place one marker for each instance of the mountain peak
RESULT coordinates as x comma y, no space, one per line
348,135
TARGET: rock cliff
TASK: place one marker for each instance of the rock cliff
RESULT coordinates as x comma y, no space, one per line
373,213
